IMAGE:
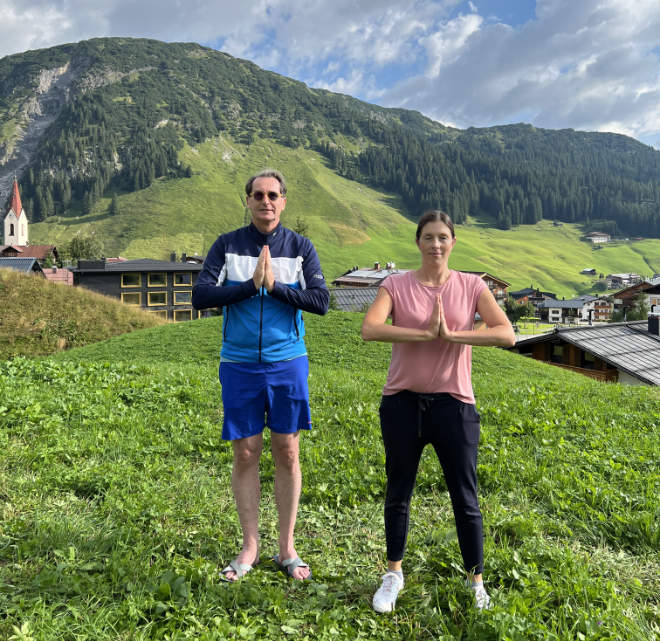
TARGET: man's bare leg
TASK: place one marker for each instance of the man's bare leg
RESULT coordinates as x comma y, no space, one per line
246,487
288,481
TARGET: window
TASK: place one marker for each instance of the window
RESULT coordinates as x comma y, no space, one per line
11,229
588,361
157,279
159,312
157,298
557,355
131,280
131,298
183,278
183,298
183,315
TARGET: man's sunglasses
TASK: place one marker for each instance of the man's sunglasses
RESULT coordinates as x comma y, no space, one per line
260,195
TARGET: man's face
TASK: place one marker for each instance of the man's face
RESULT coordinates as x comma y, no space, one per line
266,212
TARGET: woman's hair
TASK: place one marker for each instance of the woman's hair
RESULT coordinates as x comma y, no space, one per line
434,216
266,173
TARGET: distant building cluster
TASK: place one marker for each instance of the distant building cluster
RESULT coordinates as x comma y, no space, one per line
160,287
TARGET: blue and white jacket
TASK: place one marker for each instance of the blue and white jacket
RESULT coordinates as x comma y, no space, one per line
257,326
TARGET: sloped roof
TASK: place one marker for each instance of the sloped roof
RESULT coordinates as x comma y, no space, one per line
627,346
368,276
138,265
486,274
40,252
353,299
531,290
573,303
25,265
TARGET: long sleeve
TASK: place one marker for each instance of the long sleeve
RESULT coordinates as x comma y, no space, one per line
209,291
314,297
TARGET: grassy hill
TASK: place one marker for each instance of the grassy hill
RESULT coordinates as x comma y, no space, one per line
117,512
40,317
349,222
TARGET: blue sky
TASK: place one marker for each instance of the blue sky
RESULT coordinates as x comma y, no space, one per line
584,64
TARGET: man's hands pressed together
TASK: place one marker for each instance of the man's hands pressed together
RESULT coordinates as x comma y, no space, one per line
263,273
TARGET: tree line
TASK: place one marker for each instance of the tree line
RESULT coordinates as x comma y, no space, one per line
123,134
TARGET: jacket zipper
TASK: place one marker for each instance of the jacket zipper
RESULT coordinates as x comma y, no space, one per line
261,317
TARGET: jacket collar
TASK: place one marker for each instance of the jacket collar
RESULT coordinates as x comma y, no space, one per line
265,239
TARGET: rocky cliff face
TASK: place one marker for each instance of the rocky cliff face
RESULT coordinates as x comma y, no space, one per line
35,115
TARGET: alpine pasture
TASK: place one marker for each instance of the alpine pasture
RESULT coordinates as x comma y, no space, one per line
117,511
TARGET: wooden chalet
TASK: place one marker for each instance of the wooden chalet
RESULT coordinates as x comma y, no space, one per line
497,286
43,253
158,286
532,295
625,298
616,352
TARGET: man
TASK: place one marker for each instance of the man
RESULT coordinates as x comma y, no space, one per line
264,276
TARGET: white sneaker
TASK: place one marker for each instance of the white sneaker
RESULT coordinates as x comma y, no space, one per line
481,598
386,595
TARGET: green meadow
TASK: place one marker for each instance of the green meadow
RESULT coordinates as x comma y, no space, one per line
117,511
350,223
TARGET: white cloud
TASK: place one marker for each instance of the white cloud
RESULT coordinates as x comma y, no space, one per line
445,45
586,65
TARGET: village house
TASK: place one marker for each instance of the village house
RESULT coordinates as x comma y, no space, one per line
571,311
619,281
158,286
356,278
625,298
616,352
597,237
532,295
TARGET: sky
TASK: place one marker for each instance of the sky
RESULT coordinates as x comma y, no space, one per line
583,64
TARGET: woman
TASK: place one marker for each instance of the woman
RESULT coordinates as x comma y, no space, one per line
428,395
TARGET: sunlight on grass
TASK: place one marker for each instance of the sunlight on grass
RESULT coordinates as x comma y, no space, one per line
117,512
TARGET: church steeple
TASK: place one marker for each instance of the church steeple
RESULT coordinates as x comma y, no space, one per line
16,205
16,222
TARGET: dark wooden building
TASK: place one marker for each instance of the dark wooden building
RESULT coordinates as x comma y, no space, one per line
617,352
160,287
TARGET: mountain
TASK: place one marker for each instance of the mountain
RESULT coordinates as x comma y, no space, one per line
81,122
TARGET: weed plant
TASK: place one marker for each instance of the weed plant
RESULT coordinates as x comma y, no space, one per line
117,511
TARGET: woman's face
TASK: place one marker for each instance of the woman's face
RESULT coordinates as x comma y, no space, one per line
436,242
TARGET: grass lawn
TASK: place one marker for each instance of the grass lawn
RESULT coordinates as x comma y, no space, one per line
117,511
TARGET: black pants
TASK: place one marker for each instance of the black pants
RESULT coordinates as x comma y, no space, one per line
408,422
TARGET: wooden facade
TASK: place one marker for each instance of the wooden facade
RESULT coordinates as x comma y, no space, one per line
568,356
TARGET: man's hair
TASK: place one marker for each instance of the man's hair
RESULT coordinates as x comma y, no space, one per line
434,216
266,173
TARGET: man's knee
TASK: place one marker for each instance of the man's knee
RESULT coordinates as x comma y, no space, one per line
285,451
247,454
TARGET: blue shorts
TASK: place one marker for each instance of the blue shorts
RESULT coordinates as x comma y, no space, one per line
255,395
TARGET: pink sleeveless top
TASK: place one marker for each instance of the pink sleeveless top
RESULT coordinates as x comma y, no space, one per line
435,366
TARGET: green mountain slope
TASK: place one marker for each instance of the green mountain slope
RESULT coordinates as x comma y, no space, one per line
350,223
112,113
